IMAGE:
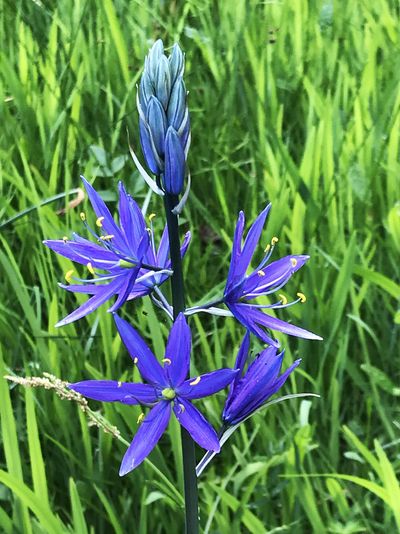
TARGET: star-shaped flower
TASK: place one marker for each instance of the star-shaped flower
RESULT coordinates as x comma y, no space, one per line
126,254
166,390
266,279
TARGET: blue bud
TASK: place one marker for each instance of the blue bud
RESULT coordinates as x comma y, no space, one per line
163,81
174,170
176,63
177,104
151,63
146,90
147,148
157,123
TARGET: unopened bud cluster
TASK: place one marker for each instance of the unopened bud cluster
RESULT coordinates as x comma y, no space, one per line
163,116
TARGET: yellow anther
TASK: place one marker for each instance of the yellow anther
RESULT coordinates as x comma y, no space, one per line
135,360
90,268
140,418
260,273
99,221
293,261
181,406
119,384
151,216
107,237
195,381
82,216
68,275
167,361
283,299
65,239
274,241
267,248
302,297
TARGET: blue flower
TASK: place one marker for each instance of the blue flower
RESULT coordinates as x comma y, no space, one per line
125,254
164,117
167,390
250,391
266,279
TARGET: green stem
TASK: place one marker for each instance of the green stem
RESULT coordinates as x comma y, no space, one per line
178,302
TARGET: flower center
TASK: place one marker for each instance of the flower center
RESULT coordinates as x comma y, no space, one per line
126,264
168,393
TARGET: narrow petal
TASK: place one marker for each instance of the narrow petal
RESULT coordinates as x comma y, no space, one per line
196,424
146,438
125,290
101,210
132,221
104,294
239,365
240,311
274,275
178,351
147,363
207,384
251,241
112,391
82,253
277,324
236,250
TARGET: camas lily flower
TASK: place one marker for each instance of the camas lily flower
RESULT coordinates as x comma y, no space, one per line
125,254
266,279
167,390
250,391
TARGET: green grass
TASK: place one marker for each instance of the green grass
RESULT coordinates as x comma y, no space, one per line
297,103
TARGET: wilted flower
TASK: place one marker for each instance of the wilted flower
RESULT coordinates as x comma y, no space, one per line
125,254
250,391
266,279
164,117
166,390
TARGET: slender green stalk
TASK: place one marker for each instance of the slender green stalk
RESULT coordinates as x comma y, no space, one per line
178,302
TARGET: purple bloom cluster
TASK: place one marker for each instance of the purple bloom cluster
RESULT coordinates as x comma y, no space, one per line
125,264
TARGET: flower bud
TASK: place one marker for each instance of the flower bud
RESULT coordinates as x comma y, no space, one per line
163,116
174,170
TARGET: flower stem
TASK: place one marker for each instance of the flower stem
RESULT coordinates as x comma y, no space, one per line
178,302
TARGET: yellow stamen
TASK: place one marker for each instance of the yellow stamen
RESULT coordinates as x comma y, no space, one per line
260,273
82,216
151,216
267,248
293,261
119,384
68,275
99,221
195,381
65,239
140,418
90,268
181,406
302,297
106,237
167,361
283,299
274,241
135,360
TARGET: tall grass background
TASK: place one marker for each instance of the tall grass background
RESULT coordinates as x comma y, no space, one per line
292,102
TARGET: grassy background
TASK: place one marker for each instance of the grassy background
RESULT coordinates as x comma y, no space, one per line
294,102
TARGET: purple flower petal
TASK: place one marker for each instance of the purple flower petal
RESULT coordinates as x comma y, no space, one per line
125,290
239,364
174,172
146,438
147,363
132,222
83,254
236,251
178,351
102,295
101,210
196,424
112,391
240,311
207,384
